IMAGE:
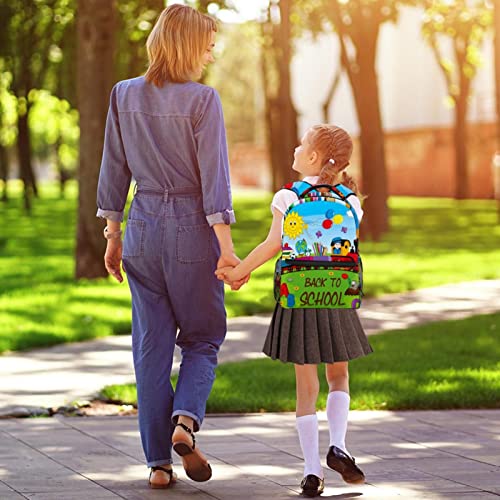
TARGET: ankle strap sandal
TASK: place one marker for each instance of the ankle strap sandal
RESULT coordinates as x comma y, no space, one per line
171,477
189,431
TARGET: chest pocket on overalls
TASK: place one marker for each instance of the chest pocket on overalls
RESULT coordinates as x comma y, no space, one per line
193,243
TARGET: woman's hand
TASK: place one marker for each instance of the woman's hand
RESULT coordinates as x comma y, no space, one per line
113,258
230,260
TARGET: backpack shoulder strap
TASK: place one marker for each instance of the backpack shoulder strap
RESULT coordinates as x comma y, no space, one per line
345,190
298,187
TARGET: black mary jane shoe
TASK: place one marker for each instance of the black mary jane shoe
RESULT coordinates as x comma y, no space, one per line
172,478
312,486
345,465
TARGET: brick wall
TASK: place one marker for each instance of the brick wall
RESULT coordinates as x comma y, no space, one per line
419,162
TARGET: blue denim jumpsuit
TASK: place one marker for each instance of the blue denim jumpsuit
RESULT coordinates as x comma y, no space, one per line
172,141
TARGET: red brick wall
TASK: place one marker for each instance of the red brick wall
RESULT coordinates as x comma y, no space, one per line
419,162
422,162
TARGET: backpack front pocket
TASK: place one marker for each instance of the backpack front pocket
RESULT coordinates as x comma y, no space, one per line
331,285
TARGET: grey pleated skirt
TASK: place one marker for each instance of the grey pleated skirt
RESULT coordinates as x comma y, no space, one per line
313,336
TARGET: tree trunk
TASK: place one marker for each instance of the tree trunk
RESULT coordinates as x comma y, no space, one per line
271,132
460,131
286,121
375,220
364,84
95,28
460,145
331,92
496,31
4,171
24,156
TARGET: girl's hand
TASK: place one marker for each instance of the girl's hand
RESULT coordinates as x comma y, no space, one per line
113,258
228,274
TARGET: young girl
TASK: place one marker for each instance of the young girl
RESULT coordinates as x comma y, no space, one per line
307,337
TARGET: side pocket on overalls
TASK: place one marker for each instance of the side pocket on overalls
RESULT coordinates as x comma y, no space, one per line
193,243
133,243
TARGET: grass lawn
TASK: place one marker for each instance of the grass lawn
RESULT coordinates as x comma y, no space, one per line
449,364
432,242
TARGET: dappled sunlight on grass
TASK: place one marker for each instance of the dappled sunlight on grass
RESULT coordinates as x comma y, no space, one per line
449,364
432,242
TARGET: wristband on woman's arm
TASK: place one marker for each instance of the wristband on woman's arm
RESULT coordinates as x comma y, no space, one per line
112,235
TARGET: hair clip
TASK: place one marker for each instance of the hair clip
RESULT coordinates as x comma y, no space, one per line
332,161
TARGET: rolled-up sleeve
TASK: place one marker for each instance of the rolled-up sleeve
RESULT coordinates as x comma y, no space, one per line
114,176
210,136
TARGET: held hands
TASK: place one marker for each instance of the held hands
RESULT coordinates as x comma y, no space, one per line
113,259
225,271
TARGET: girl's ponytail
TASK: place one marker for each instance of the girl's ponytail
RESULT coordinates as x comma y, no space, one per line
334,145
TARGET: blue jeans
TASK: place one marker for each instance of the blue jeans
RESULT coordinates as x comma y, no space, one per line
170,254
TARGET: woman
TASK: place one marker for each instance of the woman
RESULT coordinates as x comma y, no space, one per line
167,132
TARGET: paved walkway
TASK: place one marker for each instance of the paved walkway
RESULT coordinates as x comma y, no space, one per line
408,455
58,375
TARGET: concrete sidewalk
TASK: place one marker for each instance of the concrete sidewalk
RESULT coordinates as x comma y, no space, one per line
57,375
409,455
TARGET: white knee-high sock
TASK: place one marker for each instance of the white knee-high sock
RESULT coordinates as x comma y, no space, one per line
307,428
337,412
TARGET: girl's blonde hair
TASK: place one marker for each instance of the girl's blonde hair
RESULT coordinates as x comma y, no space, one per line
177,43
334,146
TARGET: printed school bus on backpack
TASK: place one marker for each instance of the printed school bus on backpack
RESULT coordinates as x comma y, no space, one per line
320,266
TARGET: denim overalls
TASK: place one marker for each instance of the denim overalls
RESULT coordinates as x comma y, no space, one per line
172,141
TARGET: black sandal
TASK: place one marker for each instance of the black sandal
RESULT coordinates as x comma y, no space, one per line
182,448
172,477
195,464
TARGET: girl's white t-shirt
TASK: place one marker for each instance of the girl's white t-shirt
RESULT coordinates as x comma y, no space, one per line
284,198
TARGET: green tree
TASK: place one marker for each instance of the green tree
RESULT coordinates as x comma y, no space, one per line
496,30
30,49
8,130
280,113
357,24
463,24
55,132
135,20
96,31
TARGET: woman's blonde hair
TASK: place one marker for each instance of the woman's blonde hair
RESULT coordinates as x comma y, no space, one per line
177,43
334,146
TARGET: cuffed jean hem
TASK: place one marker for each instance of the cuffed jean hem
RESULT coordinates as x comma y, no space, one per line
186,413
165,461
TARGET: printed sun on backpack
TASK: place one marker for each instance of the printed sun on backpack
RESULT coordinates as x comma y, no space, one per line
320,266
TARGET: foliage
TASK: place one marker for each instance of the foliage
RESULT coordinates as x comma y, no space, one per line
443,365
34,30
136,19
357,24
432,242
53,124
8,110
464,24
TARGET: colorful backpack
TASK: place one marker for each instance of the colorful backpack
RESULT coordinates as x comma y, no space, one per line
319,265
